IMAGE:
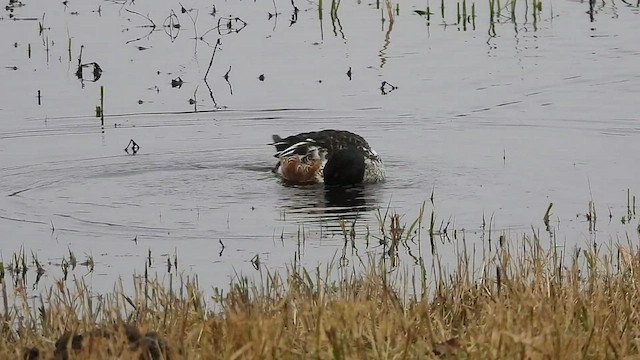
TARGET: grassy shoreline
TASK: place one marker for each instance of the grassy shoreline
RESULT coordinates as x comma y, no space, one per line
524,300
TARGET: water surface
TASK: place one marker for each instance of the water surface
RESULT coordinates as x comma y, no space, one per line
495,121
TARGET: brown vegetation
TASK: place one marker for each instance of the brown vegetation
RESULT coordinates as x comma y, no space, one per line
524,301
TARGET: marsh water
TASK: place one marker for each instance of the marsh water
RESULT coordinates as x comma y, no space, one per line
492,117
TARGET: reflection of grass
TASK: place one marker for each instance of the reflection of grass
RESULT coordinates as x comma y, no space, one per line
335,5
521,300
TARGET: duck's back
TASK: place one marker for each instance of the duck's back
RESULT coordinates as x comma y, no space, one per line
332,140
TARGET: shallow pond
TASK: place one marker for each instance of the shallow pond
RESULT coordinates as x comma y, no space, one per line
494,120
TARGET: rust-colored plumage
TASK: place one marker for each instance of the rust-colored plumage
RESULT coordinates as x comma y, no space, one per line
294,170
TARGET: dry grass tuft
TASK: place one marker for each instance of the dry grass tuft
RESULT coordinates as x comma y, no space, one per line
523,301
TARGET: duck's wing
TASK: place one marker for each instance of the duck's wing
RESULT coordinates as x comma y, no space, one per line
280,143
331,140
292,145
283,144
336,140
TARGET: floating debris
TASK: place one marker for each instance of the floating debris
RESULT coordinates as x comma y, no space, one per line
255,262
222,248
386,88
94,70
177,83
172,25
133,146
227,25
294,15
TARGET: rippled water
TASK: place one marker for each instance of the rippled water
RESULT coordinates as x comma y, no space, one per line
495,126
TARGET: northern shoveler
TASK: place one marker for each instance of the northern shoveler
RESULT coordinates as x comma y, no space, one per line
332,157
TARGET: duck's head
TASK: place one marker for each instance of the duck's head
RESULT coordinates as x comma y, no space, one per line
345,167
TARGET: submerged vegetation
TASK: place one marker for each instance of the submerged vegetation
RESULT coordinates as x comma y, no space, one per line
523,298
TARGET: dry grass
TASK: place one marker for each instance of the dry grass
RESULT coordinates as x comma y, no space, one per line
523,302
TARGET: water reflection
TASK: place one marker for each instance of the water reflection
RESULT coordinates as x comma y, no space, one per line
327,203
341,198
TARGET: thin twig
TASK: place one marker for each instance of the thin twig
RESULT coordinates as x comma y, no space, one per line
153,25
211,61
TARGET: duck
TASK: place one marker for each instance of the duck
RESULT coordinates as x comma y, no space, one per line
329,157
